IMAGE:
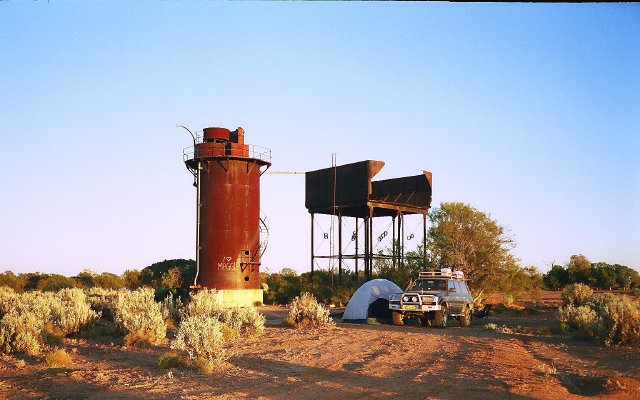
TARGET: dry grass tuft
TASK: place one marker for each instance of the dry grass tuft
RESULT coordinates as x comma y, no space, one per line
208,367
171,359
58,358
546,370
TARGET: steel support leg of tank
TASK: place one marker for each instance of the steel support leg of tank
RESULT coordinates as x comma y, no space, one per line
340,248
312,251
356,261
424,240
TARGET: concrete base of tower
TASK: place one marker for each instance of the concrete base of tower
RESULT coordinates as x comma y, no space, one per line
239,297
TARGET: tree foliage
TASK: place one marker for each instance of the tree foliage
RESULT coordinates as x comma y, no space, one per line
464,238
153,274
284,286
596,275
15,282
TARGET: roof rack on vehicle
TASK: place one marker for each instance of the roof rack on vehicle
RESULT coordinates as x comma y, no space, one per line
443,273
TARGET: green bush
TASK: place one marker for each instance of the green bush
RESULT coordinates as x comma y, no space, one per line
305,311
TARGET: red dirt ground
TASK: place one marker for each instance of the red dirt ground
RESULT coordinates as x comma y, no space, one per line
349,361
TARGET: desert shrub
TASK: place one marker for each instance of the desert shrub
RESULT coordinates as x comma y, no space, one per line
582,319
619,318
305,311
21,332
72,312
22,327
100,329
170,308
139,317
53,334
201,337
245,321
201,303
33,318
229,334
577,317
171,359
576,294
614,319
102,300
58,358
8,299
40,304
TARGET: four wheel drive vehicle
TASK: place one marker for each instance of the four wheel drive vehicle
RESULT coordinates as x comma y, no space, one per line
434,297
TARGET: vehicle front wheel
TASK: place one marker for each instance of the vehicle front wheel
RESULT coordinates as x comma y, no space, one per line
397,318
465,319
440,321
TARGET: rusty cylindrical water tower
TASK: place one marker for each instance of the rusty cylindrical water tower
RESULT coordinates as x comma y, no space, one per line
230,235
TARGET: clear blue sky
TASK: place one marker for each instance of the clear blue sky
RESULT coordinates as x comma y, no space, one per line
528,112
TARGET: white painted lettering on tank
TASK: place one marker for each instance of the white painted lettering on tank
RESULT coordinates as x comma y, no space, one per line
228,265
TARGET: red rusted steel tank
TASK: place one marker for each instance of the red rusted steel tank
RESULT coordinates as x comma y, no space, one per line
229,217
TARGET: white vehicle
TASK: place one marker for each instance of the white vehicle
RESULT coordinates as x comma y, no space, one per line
434,297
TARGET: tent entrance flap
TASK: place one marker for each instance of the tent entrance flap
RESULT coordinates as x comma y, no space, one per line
379,309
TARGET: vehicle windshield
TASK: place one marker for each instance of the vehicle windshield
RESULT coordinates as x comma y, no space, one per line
431,285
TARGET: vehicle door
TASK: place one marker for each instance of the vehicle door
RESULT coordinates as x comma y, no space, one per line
456,301
466,293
